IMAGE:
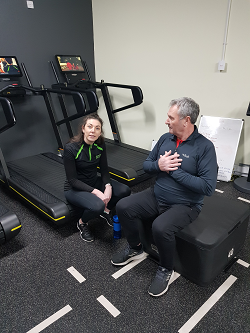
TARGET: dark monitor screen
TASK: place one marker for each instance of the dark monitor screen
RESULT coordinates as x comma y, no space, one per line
70,64
9,67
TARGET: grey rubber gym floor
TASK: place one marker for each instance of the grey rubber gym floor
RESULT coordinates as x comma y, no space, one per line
35,283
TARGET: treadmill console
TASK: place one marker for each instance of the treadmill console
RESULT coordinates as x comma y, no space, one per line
10,72
73,67
13,90
9,68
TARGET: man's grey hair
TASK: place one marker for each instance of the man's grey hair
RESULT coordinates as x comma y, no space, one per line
186,107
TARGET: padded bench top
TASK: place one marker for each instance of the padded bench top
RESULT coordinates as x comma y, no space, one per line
218,218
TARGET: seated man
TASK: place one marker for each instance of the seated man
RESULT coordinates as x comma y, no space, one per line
185,164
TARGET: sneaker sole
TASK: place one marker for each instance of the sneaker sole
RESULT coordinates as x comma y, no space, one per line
85,240
103,217
163,292
138,257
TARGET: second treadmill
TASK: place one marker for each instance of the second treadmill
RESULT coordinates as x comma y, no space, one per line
9,222
125,161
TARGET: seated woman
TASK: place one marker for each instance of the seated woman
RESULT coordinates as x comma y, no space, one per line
83,187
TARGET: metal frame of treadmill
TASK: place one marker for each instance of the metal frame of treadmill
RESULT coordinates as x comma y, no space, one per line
126,174
58,212
9,222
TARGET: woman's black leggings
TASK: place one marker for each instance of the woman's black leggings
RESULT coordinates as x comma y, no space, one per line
92,205
167,221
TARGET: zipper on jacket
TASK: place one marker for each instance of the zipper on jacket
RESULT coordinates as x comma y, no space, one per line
90,147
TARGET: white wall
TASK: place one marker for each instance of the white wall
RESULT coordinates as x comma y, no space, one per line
171,48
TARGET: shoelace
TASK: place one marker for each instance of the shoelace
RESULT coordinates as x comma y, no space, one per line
84,227
127,249
161,274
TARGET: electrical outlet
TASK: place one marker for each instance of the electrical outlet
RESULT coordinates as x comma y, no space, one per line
221,65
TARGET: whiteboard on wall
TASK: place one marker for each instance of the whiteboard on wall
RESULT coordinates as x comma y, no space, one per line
225,135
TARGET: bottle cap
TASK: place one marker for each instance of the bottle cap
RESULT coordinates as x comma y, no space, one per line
115,218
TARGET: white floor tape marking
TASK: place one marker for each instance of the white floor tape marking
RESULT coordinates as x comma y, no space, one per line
108,306
76,274
202,311
219,191
242,199
50,320
243,263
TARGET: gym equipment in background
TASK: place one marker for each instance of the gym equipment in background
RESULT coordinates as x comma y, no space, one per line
9,223
125,161
39,179
242,184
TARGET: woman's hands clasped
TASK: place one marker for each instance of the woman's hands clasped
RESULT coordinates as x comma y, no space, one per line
104,196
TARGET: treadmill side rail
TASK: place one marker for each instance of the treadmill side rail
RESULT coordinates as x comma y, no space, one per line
57,212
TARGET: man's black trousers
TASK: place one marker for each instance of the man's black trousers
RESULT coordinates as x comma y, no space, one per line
167,221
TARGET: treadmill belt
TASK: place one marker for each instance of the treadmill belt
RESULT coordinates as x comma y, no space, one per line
121,157
3,210
43,172
40,180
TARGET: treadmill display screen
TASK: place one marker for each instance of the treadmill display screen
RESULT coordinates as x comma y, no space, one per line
70,64
9,67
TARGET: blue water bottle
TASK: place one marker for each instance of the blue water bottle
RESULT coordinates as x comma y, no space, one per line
116,227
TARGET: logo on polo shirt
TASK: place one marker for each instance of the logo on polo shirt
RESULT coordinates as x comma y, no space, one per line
187,156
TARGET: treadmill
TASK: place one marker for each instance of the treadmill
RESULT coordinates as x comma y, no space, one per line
125,161
9,223
39,180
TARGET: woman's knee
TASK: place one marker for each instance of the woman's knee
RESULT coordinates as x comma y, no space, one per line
121,190
126,191
86,201
98,207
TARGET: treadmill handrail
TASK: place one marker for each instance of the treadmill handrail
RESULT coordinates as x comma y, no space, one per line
86,85
78,100
77,97
9,113
136,92
46,94
6,173
79,104
90,94
34,90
